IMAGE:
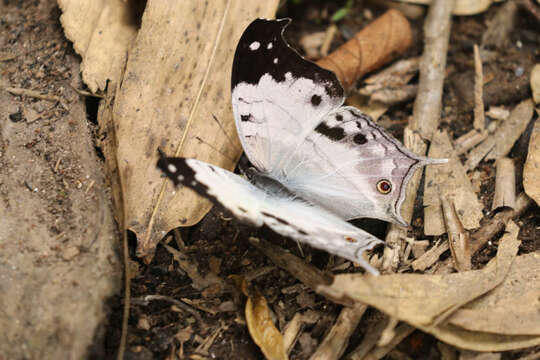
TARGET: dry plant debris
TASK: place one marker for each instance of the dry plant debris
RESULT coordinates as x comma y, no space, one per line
531,172
262,328
448,180
461,7
364,53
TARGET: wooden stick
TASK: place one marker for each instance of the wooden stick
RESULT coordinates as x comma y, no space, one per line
32,93
430,257
479,116
505,184
427,107
337,340
469,140
458,238
498,222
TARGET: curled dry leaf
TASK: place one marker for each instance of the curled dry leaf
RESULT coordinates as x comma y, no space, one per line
531,171
102,32
169,102
262,329
364,53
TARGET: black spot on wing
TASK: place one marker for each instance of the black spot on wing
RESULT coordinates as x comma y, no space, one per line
360,139
334,133
339,117
245,117
316,100
183,174
250,65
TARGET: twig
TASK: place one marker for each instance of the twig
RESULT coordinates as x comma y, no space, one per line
329,36
292,332
479,116
469,140
458,238
401,332
505,184
337,340
427,107
306,273
498,222
32,93
373,334
430,257
145,300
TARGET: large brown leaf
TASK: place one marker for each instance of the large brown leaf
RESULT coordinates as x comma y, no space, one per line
177,78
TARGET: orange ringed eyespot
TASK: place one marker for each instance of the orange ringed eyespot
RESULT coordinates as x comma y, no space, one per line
384,186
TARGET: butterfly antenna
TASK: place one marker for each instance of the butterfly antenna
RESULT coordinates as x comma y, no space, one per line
224,132
216,149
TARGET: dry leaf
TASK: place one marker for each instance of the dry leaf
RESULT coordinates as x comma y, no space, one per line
512,307
422,300
364,53
531,171
177,78
461,7
449,180
102,31
262,329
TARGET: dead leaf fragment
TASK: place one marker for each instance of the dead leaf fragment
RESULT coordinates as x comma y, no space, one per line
531,171
449,180
364,53
102,31
262,329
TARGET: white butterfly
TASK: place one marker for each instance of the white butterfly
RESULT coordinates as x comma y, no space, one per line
318,163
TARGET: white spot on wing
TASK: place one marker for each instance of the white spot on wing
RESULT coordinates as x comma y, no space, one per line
254,45
171,168
275,60
288,76
269,46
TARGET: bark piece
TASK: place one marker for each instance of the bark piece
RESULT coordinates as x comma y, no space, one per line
531,171
364,53
469,140
505,184
449,180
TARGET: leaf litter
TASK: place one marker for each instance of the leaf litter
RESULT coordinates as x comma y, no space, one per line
443,303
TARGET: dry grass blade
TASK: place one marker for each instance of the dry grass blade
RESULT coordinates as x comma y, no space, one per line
505,184
479,116
458,238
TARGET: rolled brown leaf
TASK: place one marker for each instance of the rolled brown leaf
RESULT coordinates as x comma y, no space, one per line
379,42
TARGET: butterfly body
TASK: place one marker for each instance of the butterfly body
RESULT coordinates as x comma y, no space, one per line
317,163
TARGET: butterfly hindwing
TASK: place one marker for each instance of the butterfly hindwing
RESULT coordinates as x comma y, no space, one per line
291,217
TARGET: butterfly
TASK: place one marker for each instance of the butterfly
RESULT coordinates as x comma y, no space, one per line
317,163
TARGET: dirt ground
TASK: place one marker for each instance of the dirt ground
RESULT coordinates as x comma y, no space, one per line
60,266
